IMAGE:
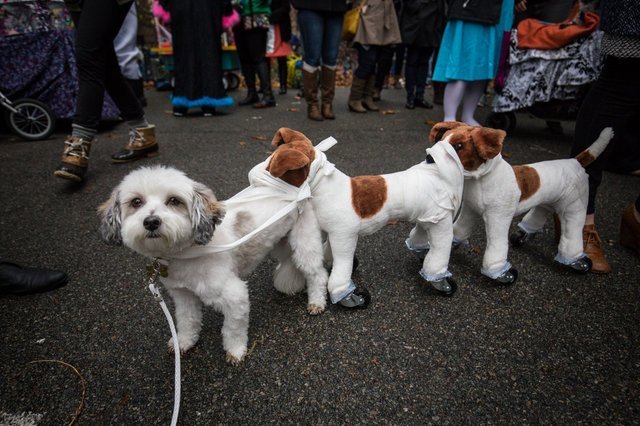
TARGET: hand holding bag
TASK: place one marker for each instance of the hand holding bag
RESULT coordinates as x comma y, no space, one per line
351,21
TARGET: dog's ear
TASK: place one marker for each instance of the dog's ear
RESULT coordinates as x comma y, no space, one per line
286,135
111,222
488,141
290,165
206,213
439,129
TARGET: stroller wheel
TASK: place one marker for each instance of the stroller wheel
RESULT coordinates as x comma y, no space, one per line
32,121
502,120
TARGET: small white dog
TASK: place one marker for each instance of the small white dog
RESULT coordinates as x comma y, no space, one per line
497,192
428,194
161,213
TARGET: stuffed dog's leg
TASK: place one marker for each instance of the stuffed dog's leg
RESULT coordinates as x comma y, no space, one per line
570,248
463,226
306,241
494,263
418,241
341,288
530,225
231,298
188,312
436,262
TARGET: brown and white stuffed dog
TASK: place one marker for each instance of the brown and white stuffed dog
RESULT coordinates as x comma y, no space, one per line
497,191
161,213
428,194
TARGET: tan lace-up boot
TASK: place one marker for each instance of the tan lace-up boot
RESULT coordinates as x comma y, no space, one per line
142,143
593,249
75,159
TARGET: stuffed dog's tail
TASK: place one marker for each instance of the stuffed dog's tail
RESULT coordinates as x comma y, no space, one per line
590,154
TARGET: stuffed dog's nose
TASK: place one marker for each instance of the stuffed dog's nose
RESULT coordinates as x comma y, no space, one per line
151,223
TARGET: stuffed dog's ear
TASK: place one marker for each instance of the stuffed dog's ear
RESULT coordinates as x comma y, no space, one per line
286,135
290,165
111,222
206,213
488,142
439,129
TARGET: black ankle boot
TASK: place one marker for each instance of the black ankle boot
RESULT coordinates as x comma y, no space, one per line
250,99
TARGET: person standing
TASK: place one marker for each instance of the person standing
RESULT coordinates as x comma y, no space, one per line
470,52
97,24
421,25
378,27
613,101
251,41
196,27
320,23
282,48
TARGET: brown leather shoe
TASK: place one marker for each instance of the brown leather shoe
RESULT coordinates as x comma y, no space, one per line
142,143
630,230
75,159
593,250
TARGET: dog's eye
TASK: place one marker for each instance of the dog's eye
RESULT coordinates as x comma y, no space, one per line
458,146
173,201
136,202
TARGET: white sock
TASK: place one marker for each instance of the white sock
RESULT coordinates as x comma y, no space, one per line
453,93
472,95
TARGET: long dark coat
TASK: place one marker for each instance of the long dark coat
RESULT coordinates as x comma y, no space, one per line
422,22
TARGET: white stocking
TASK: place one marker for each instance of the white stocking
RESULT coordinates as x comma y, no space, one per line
453,93
472,95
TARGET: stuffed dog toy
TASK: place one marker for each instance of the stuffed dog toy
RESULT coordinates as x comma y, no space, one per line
428,194
497,191
161,213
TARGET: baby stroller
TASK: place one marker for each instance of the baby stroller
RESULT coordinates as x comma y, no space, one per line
28,118
547,83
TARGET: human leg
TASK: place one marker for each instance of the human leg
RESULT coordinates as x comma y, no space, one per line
97,26
422,70
411,76
453,93
367,56
246,67
282,74
311,25
472,94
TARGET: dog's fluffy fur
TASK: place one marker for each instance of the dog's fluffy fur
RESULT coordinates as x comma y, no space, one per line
160,212
346,207
497,191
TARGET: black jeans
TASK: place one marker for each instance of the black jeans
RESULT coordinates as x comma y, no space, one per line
97,25
368,58
613,101
416,71
252,46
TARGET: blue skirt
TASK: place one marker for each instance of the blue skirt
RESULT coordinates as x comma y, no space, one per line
471,51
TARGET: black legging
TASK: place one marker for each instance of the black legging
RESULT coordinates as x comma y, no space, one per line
97,26
252,46
613,101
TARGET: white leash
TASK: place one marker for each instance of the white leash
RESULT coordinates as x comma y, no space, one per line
262,186
153,277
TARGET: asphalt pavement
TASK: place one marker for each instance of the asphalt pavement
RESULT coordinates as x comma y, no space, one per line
554,348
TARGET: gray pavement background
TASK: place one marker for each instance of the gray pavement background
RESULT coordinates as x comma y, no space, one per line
555,348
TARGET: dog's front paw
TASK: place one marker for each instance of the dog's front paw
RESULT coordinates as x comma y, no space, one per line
234,359
314,309
184,343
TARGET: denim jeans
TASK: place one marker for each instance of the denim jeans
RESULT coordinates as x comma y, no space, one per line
321,32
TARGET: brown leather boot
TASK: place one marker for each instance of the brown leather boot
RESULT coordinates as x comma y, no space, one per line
630,230
328,90
75,159
355,96
142,143
310,86
593,250
367,98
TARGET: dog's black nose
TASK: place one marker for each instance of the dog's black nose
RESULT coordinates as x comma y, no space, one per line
151,223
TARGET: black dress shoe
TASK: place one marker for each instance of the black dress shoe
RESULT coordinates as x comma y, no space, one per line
422,103
21,280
